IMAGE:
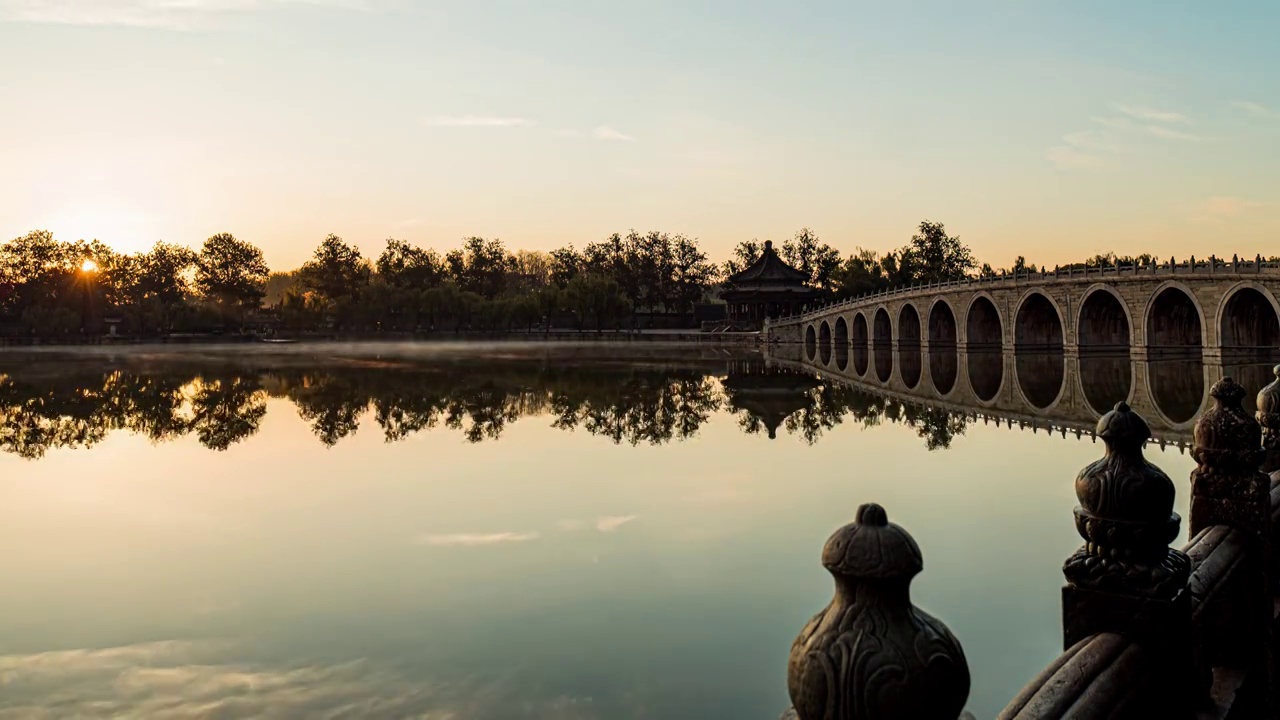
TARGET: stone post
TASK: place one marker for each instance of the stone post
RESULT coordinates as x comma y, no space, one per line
1268,416
871,653
1126,579
1229,488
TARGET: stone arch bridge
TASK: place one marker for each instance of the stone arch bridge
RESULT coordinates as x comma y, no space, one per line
1026,342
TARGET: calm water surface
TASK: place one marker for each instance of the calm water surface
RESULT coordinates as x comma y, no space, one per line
487,532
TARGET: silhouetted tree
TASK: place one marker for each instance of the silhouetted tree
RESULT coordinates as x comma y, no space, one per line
232,274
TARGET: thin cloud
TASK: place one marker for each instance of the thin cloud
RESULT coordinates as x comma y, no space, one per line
1169,133
604,523
604,132
1095,141
1256,110
609,523
1150,114
1070,158
489,121
1227,206
474,539
179,15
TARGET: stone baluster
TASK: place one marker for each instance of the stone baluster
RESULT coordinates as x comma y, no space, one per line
1126,579
1268,416
1229,488
871,653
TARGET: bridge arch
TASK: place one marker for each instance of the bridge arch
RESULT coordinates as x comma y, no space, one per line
984,345
824,342
810,343
1038,340
909,345
1037,323
842,343
882,344
944,359
1174,319
1104,322
1248,317
908,324
984,328
861,334
942,324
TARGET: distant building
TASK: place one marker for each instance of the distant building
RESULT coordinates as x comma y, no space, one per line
770,288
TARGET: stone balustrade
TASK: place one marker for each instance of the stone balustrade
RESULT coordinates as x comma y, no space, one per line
1149,631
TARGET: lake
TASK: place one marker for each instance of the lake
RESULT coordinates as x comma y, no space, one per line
500,531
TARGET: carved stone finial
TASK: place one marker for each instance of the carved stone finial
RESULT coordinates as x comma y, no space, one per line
1227,487
1268,414
1126,517
871,653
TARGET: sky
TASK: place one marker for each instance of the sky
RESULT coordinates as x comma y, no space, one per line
1053,130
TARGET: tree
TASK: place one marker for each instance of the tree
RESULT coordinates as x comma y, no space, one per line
691,274
596,297
408,266
566,263
162,273
335,271
481,266
1020,266
231,273
744,255
859,274
816,259
532,269
935,256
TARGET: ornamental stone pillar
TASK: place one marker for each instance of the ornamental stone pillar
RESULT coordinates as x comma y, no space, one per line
1125,579
871,654
1228,488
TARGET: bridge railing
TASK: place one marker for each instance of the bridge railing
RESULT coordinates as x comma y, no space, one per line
1211,265
1149,631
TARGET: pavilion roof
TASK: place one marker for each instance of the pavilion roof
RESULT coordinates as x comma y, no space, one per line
769,268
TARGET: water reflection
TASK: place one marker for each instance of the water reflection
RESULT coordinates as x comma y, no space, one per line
1040,376
1178,387
883,358
986,373
1105,380
943,367
909,362
54,404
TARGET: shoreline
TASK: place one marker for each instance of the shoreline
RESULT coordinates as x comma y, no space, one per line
676,337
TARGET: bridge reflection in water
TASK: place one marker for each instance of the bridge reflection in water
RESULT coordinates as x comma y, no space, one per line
1039,387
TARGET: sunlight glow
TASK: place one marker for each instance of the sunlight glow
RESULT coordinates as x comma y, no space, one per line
89,266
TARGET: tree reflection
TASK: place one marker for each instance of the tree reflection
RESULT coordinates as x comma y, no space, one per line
227,410
651,404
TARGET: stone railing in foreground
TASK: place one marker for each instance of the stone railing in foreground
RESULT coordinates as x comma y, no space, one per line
1149,631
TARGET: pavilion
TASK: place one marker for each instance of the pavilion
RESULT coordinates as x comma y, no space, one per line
770,288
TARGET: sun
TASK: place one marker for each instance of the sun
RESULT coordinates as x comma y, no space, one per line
89,266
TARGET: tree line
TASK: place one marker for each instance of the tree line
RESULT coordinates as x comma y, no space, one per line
56,288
